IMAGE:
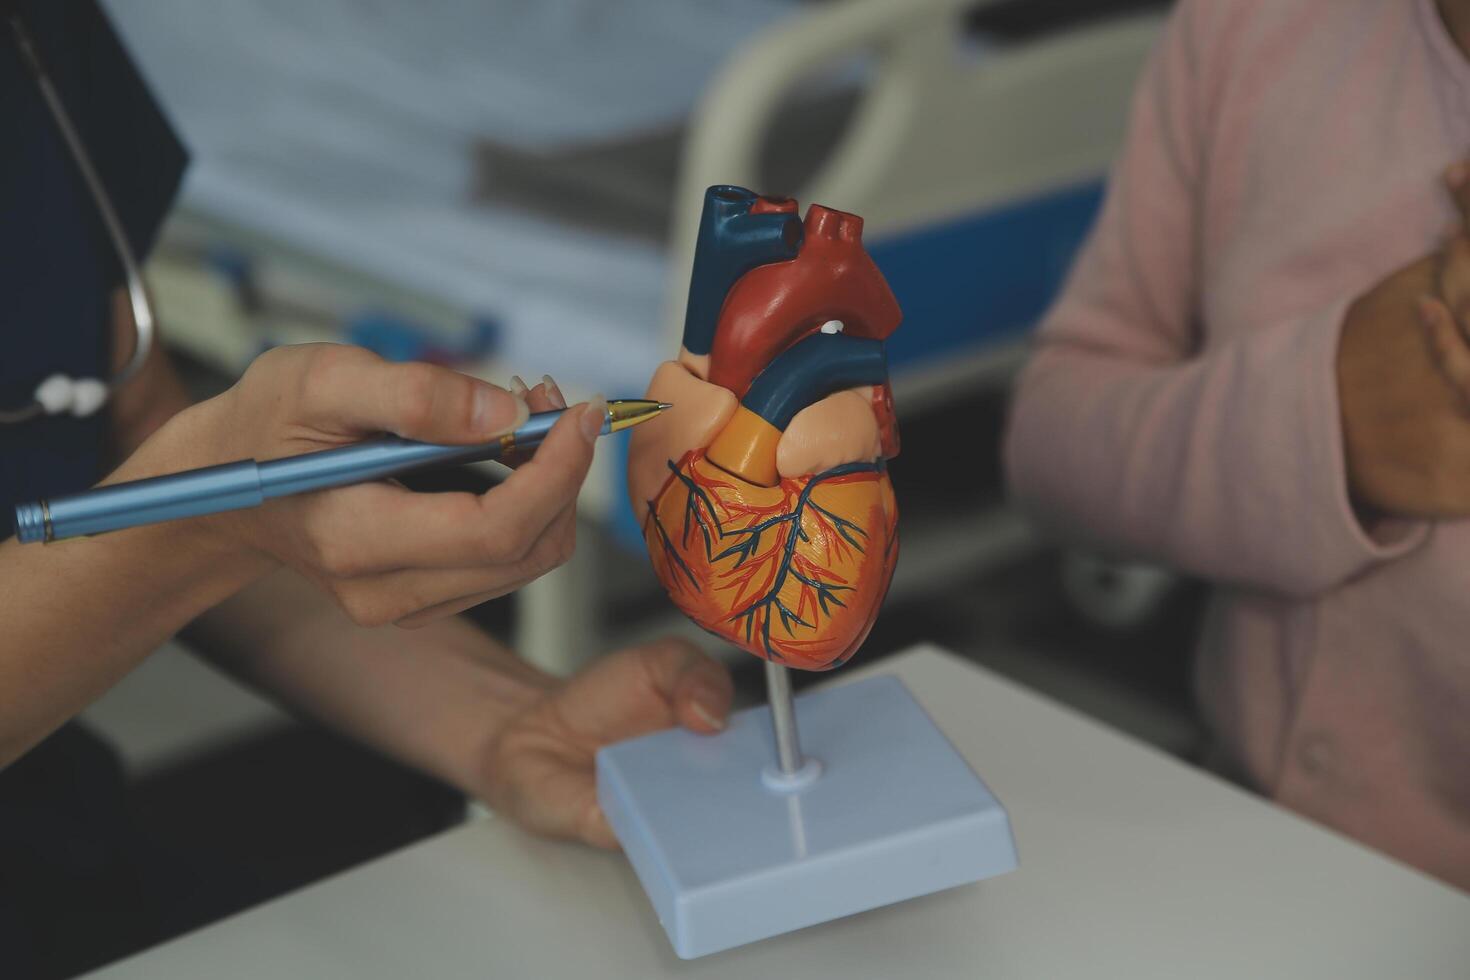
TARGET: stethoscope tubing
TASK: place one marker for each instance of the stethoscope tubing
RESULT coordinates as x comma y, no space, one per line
144,321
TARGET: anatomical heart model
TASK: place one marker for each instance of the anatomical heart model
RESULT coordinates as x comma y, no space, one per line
764,494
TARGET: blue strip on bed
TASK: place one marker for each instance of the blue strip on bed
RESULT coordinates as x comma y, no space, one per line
982,278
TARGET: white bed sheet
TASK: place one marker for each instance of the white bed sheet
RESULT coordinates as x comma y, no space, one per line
344,127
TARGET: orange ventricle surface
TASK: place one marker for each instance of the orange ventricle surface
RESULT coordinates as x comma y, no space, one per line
794,573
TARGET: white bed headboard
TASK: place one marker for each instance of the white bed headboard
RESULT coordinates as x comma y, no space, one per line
939,131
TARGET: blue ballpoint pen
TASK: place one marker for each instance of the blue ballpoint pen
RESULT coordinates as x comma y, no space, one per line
235,486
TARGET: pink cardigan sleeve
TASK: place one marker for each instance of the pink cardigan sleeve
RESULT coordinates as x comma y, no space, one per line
1125,437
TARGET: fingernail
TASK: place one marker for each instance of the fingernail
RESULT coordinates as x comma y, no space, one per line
558,400
1456,174
489,416
708,717
594,416
518,387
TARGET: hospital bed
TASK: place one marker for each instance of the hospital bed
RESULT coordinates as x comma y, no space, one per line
977,165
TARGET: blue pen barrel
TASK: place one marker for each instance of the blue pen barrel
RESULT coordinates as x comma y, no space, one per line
360,463
384,457
232,486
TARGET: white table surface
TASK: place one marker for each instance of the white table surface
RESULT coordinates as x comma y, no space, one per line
1132,865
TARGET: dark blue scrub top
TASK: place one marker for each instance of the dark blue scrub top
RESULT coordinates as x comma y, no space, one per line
57,267
70,896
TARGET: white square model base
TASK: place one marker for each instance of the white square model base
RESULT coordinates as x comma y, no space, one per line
727,856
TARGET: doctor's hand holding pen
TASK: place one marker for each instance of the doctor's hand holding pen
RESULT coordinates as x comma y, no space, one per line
383,553
445,698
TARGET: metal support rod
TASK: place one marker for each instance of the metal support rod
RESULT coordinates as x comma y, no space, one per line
783,719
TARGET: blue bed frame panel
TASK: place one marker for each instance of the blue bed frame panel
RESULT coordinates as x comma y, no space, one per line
983,278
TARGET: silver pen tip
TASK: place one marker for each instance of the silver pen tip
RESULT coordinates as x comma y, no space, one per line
665,406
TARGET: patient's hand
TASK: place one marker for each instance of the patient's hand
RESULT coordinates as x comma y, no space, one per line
1446,310
1445,315
1401,367
1403,371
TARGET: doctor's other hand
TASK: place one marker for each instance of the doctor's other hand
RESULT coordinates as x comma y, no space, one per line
383,553
539,768
1406,424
